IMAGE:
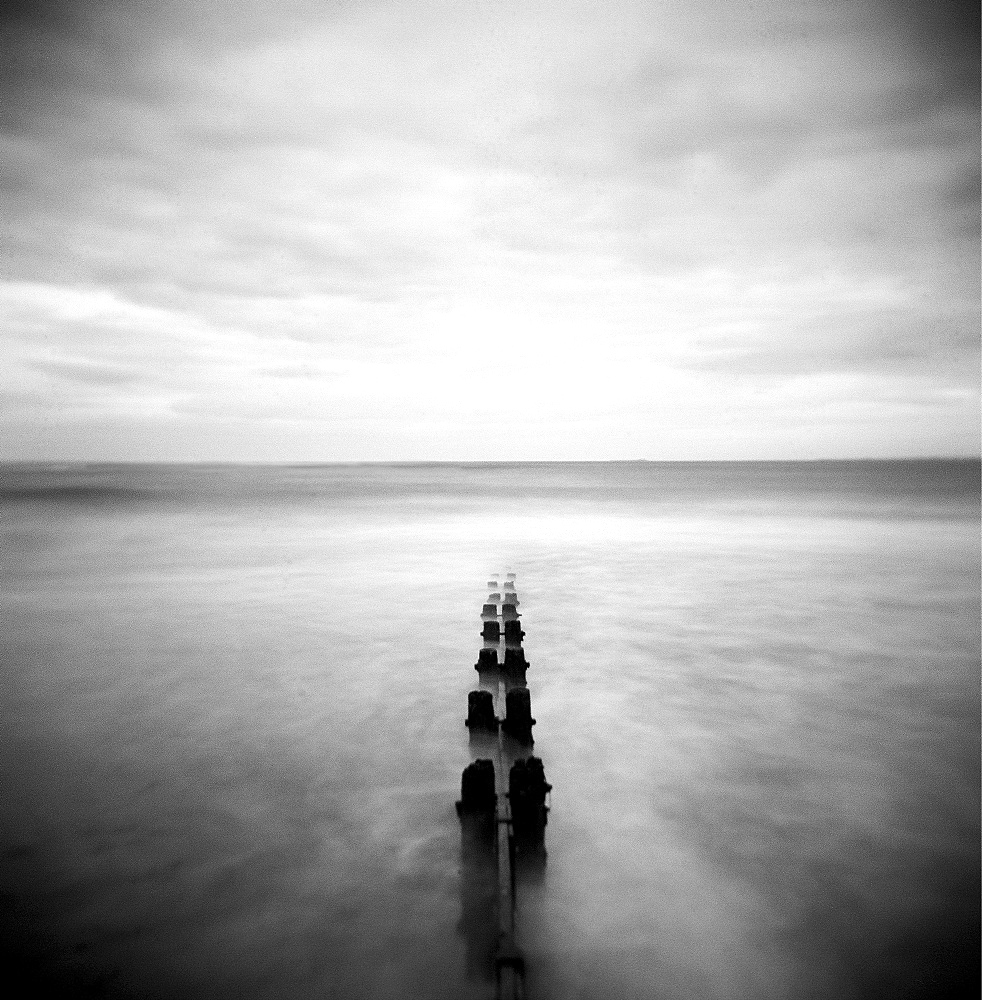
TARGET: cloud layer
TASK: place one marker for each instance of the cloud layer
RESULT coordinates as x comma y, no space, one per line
368,230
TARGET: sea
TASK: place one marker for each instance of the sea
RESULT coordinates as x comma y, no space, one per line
233,703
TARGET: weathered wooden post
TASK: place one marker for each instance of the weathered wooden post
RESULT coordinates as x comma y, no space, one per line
491,630
518,721
513,632
514,667
509,613
515,662
527,793
487,660
489,611
478,799
478,812
480,712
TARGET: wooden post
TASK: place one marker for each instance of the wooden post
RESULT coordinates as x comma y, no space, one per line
480,712
518,720
487,659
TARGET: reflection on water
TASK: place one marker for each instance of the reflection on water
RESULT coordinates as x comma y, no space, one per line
234,698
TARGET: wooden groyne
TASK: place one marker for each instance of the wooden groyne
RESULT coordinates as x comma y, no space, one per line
504,798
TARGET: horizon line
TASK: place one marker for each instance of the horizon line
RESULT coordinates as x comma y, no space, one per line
488,461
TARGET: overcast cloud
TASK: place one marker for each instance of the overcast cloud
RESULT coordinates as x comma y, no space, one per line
432,230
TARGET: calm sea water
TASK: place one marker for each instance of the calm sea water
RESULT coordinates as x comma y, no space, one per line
233,703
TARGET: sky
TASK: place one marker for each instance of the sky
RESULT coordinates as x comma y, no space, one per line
533,230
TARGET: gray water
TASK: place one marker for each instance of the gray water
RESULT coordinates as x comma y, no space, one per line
233,703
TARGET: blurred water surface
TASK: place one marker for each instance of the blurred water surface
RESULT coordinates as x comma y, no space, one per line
233,700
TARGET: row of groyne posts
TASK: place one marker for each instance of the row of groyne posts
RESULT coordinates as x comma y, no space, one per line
504,799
